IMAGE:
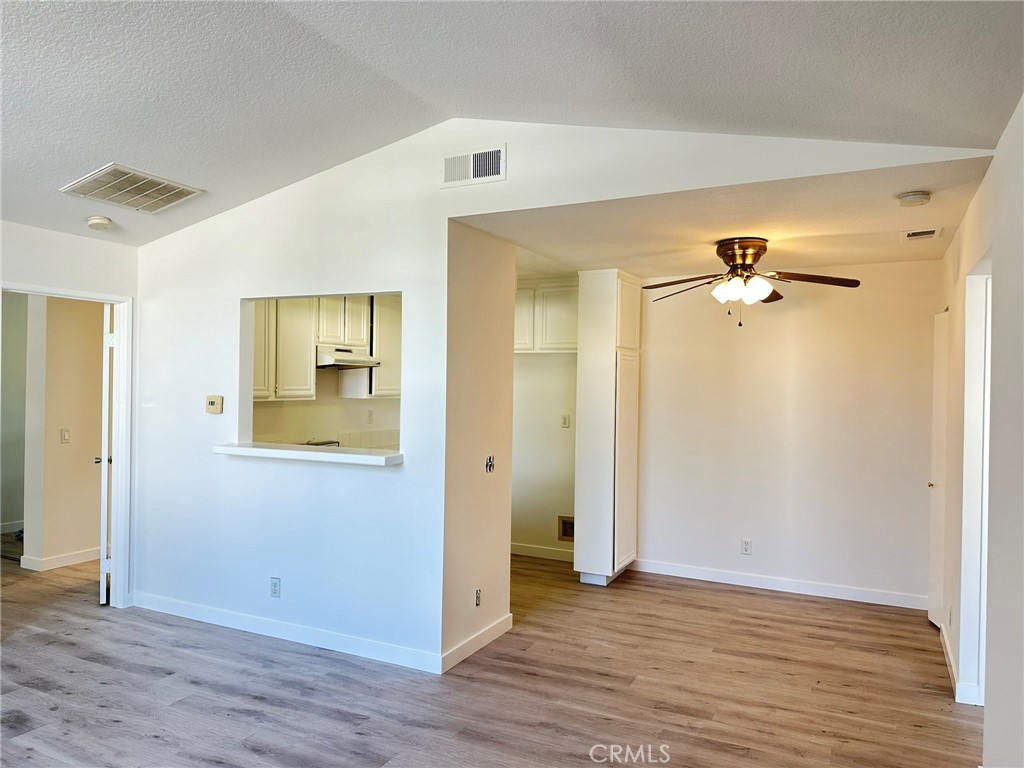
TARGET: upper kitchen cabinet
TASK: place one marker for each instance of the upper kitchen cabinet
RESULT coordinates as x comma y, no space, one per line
345,321
546,316
385,312
284,349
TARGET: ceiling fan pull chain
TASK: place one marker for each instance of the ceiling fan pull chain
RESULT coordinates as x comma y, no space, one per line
741,317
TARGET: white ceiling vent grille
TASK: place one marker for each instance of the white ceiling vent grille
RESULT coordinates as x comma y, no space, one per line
476,167
922,234
124,186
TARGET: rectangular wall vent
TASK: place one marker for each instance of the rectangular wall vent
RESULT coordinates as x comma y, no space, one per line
921,234
129,188
476,167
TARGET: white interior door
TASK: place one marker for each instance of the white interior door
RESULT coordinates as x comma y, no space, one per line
937,484
104,459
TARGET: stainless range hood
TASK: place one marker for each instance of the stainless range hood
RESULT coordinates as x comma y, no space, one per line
343,358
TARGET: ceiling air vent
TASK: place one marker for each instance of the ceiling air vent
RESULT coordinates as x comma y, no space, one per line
475,167
124,186
921,234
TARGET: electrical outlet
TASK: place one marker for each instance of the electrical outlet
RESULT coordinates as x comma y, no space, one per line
746,547
275,586
489,464
565,421
369,416
215,403
478,598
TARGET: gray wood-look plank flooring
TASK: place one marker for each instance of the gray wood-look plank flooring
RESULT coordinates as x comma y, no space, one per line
723,676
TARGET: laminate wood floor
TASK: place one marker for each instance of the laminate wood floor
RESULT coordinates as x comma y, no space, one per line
724,677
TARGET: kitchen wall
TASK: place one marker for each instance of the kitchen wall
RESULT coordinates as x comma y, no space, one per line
12,411
808,430
543,453
328,418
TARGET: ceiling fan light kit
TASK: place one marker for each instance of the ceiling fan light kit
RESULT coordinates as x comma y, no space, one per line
742,281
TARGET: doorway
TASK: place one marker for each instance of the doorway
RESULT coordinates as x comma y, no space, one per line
65,428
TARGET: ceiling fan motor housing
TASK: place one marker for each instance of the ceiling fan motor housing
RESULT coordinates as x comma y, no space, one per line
741,251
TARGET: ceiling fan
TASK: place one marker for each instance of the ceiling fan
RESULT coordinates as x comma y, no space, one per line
742,282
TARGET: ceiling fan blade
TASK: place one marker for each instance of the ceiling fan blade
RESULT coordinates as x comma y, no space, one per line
844,282
773,296
699,285
678,282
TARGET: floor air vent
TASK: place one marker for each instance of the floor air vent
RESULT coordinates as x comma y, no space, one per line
475,167
921,234
124,186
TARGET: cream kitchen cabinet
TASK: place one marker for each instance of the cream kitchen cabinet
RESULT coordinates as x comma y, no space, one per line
345,321
546,316
385,345
284,354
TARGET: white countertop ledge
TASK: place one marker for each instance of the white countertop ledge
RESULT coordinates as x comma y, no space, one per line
373,457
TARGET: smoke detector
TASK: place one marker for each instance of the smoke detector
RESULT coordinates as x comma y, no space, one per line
100,223
129,188
914,199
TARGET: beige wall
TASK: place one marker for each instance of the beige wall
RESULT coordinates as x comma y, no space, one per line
12,410
543,453
807,430
65,509
477,505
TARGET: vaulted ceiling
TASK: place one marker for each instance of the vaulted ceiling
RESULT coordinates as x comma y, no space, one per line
243,98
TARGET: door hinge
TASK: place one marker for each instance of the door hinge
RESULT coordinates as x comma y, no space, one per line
104,565
108,340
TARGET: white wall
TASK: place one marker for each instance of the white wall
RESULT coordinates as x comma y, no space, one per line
992,228
806,430
33,257
376,223
477,514
14,327
543,453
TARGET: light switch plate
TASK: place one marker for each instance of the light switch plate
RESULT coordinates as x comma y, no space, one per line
65,435
215,404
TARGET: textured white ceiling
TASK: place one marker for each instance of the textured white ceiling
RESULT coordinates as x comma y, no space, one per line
243,98
816,221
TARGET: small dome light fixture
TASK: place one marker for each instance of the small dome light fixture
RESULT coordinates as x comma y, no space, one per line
99,223
914,199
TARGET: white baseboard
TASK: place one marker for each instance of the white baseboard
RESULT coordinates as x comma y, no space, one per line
963,692
59,561
11,526
548,553
777,584
298,633
471,645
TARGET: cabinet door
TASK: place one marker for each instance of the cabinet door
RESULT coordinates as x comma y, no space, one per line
265,349
627,419
523,336
357,321
296,349
331,325
557,310
386,381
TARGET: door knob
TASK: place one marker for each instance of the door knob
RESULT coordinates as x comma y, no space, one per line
931,485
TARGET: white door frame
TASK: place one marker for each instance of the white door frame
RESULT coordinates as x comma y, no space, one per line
970,688
120,434
937,484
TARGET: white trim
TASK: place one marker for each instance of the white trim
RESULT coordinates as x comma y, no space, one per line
297,633
472,644
12,525
59,561
548,553
779,584
963,693
64,293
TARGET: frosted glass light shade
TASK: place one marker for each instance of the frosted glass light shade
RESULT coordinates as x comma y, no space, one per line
721,293
756,289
